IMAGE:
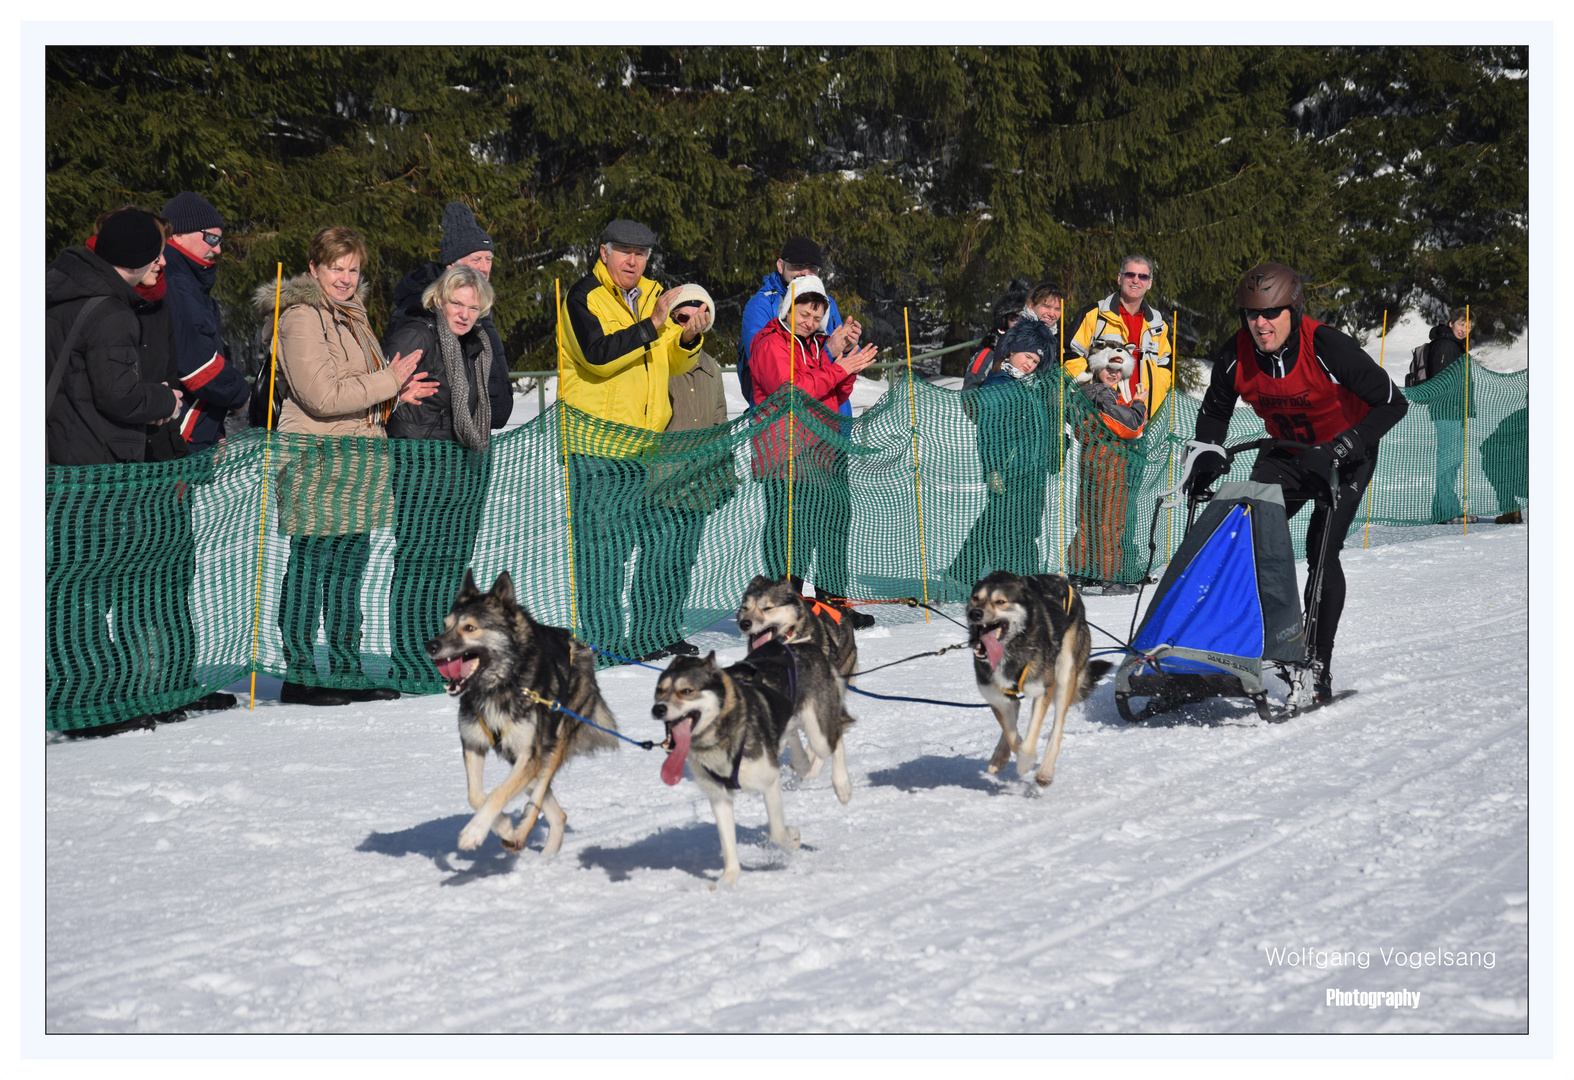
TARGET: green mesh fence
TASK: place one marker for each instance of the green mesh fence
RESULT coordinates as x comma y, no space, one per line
163,579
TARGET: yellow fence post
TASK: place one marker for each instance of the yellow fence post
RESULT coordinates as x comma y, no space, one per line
267,448
792,404
1174,367
568,487
1059,532
918,493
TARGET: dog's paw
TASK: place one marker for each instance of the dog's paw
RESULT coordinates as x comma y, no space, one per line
844,788
1025,766
729,878
788,839
471,836
1044,779
995,766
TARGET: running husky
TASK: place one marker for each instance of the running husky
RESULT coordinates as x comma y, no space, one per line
493,654
733,721
778,611
1030,639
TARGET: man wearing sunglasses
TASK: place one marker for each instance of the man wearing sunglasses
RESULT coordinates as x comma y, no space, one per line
214,385
1311,384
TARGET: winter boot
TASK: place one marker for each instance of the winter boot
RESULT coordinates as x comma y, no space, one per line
1513,517
1322,678
300,694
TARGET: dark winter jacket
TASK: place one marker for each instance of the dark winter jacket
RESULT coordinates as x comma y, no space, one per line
407,307
213,383
763,307
1445,402
433,417
111,389
1340,355
1443,349
158,336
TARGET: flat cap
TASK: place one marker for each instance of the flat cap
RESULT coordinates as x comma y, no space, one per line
628,233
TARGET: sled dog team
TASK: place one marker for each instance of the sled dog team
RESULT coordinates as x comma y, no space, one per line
525,690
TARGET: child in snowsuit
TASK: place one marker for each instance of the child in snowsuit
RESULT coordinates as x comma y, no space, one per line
1117,418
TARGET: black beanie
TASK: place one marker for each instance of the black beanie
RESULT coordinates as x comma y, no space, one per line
802,251
189,212
130,240
461,235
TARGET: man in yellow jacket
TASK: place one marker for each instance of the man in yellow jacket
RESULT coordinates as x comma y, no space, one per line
1124,321
620,350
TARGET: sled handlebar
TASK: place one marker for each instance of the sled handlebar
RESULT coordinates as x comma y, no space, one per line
1262,444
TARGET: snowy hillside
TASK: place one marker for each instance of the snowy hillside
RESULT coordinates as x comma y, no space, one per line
295,869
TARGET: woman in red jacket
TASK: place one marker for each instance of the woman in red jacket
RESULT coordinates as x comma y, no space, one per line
794,348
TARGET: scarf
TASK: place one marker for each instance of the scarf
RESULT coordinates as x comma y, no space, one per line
355,313
475,433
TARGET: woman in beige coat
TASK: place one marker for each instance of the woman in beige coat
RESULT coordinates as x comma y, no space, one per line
333,491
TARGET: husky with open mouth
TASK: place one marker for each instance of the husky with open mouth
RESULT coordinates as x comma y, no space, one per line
493,655
1030,640
778,611
728,724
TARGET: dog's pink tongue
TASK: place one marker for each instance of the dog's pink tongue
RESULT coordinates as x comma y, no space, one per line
672,768
451,668
761,640
993,648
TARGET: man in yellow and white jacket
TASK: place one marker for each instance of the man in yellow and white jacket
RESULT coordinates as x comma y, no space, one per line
1122,320
620,350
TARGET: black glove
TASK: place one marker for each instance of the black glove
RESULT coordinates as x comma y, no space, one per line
1206,467
1348,448
1345,450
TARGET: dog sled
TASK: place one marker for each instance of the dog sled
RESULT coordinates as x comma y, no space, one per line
1227,607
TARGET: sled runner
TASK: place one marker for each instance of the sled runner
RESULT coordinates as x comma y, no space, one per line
1226,607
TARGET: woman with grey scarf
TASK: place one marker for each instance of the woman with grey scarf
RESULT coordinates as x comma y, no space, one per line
441,462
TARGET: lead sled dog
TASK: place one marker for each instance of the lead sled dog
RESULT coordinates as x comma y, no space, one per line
494,656
1030,640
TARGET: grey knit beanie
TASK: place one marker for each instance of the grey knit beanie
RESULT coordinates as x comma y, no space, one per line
461,235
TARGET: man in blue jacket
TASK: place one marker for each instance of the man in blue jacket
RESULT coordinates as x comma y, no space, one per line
214,384
800,256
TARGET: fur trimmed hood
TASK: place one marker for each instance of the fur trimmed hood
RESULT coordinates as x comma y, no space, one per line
302,289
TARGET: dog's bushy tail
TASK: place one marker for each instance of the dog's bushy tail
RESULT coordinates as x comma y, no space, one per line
1095,670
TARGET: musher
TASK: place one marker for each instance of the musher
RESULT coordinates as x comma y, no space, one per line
1315,385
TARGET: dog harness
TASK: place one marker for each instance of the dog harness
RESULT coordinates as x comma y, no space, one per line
1071,594
819,607
731,782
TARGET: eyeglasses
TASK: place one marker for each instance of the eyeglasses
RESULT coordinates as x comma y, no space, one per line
794,268
1269,313
1132,275
212,239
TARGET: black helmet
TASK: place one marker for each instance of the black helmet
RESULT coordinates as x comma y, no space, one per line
1270,285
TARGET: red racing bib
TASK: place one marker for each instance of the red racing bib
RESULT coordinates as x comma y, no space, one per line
1306,405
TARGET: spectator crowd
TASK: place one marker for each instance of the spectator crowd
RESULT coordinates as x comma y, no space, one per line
140,372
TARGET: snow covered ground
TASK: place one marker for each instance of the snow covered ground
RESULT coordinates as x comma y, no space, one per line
295,869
